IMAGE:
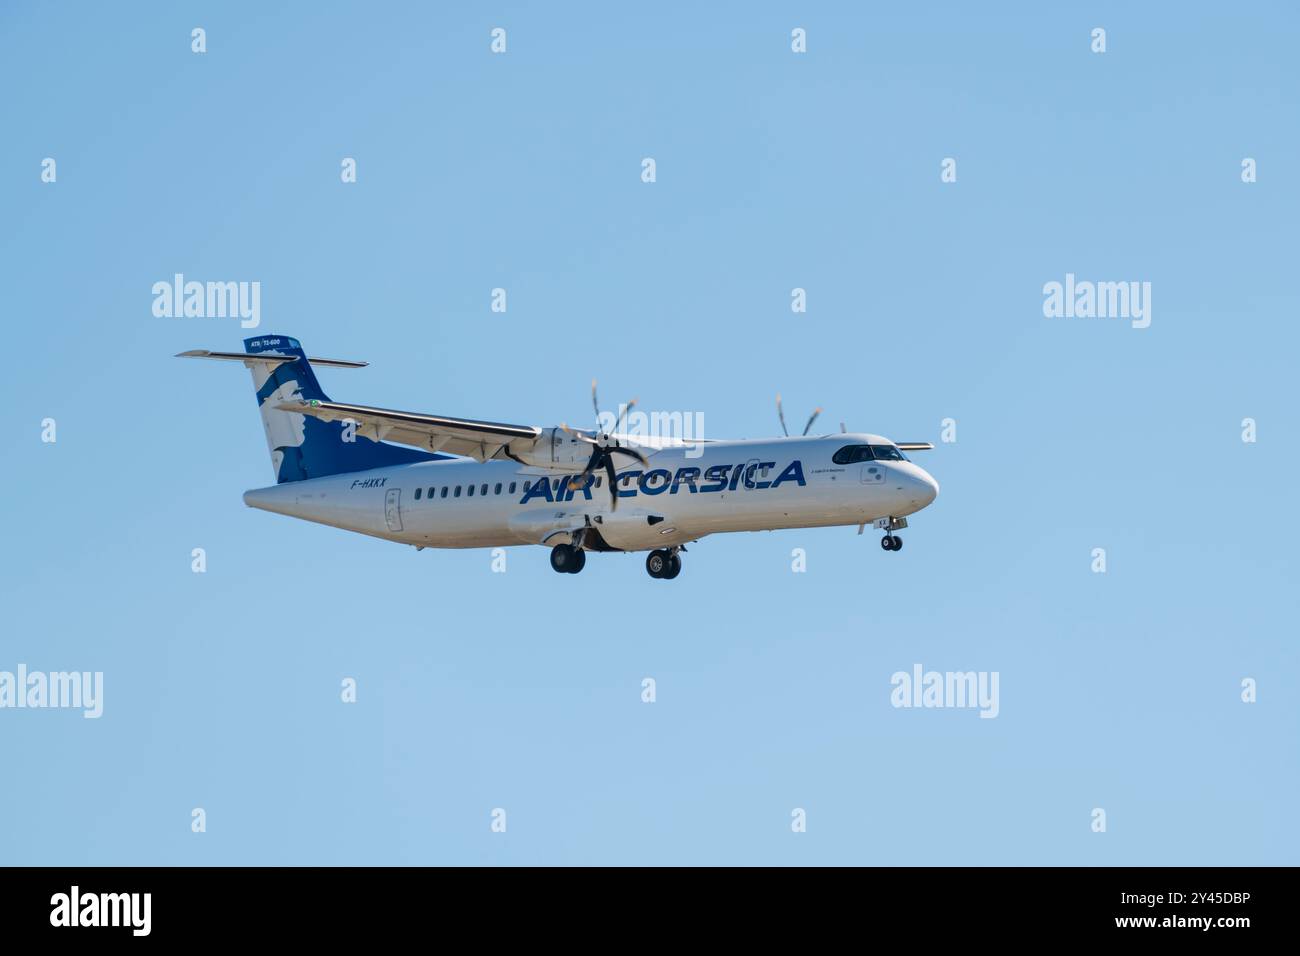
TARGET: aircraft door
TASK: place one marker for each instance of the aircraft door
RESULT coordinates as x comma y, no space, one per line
393,509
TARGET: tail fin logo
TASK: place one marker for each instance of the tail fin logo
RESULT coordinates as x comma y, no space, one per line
302,447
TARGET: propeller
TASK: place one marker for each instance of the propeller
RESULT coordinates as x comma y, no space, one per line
780,413
603,449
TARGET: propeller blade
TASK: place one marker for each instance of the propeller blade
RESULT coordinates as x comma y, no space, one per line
577,482
595,404
631,453
613,483
842,428
816,412
780,413
621,413
578,435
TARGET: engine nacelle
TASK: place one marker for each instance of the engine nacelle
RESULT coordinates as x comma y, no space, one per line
553,448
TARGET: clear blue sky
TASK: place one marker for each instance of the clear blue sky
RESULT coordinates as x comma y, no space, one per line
775,170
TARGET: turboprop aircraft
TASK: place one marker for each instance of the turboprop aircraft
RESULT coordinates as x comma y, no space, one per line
437,482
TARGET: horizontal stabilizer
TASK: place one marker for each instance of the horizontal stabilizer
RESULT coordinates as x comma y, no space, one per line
268,358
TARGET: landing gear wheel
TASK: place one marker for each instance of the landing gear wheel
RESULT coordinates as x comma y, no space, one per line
898,543
657,563
674,568
567,559
891,542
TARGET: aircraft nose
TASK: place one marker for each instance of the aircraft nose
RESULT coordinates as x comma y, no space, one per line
927,489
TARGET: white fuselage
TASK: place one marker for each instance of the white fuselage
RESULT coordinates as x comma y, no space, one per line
684,493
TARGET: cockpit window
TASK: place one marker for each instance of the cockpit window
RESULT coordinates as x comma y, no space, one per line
852,454
887,453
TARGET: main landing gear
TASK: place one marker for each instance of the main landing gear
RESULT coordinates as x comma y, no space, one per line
567,559
663,563
891,542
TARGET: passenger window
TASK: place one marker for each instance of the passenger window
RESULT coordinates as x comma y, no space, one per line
417,493
483,490
497,490
457,495
469,491
598,481
512,487
430,492
444,491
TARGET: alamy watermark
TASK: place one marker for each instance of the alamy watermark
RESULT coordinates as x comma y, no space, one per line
946,689
179,299
684,427
1083,299
129,910
62,689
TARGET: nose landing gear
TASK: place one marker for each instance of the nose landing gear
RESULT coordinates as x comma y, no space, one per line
891,541
663,563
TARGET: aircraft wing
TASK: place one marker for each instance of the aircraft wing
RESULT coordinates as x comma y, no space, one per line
454,436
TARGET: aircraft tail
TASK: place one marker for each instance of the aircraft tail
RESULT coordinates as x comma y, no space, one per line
303,447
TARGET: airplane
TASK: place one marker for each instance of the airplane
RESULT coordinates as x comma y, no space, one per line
437,482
